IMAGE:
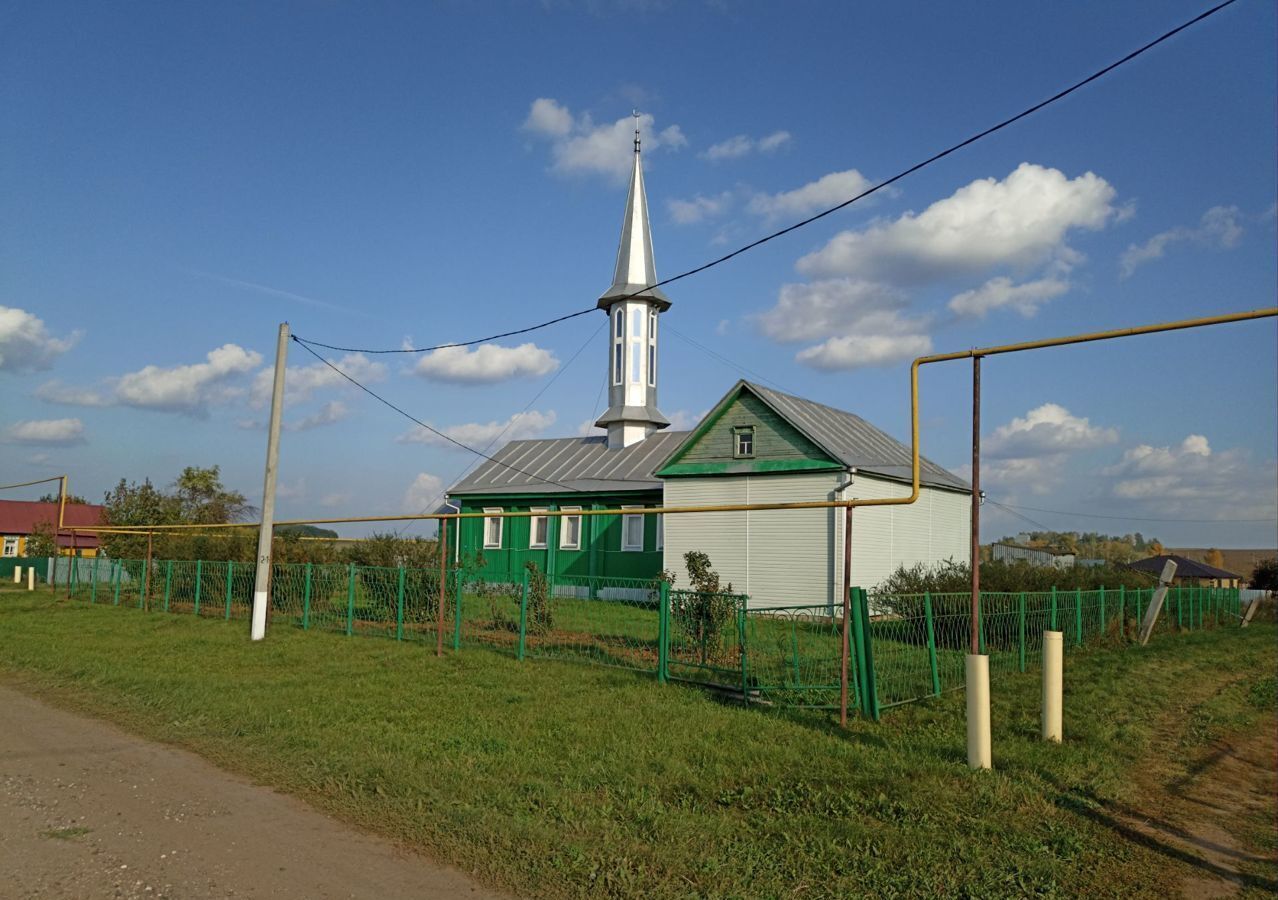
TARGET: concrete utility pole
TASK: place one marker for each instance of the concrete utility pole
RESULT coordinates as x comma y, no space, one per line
977,664
262,584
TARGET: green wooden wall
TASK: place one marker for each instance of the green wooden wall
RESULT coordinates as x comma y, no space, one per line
600,554
778,445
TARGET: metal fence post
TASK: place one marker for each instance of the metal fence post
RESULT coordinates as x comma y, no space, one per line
663,631
306,599
523,615
1020,624
115,578
199,566
1078,617
168,582
858,640
399,607
931,643
1122,611
93,590
871,679
1180,619
1103,623
141,585
230,575
350,600
1054,628
741,647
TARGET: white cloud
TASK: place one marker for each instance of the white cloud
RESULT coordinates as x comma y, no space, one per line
54,432
303,382
486,364
826,191
424,494
578,145
547,117
478,435
999,292
857,351
742,145
685,420
1046,430
1193,480
25,342
1219,227
1031,451
328,414
187,389
334,500
687,212
1020,221
862,322
819,308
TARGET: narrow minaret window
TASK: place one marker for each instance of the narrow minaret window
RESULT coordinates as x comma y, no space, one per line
633,302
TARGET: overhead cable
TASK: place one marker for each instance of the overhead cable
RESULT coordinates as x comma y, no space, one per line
1059,95
435,431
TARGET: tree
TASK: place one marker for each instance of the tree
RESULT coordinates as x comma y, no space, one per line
1215,558
203,499
41,542
1154,548
1265,576
54,498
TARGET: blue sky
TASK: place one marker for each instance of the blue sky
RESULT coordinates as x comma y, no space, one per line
177,179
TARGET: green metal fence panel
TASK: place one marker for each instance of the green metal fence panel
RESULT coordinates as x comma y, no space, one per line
704,639
795,655
607,620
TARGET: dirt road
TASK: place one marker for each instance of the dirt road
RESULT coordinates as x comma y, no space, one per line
88,811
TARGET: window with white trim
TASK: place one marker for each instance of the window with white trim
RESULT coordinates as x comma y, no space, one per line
743,441
632,530
570,529
652,349
10,546
661,531
636,346
617,351
538,530
492,529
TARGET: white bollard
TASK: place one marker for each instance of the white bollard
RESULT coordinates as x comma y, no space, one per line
31,578
1053,684
17,574
978,711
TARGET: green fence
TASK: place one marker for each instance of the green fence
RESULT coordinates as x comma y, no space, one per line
900,648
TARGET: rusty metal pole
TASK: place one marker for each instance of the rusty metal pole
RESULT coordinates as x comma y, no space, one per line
442,546
847,607
976,504
146,575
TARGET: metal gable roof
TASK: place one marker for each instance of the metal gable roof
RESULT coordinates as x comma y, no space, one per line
566,465
852,440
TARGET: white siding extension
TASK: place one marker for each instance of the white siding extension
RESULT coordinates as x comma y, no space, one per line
796,556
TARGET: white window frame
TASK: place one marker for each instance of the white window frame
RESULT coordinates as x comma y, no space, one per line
652,348
488,545
661,531
636,345
736,441
533,522
11,545
625,530
564,543
618,340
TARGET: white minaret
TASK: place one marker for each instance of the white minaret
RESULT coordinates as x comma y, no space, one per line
632,328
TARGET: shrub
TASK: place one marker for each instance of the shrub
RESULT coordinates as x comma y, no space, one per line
703,613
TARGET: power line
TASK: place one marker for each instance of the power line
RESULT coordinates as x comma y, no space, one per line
1066,512
725,360
429,428
5,487
527,406
1059,95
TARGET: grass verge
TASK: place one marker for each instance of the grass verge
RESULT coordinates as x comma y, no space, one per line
554,779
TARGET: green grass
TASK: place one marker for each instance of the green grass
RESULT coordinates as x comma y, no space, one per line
556,779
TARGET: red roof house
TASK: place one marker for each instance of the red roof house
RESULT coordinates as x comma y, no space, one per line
18,519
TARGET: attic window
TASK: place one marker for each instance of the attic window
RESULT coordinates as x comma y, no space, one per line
743,441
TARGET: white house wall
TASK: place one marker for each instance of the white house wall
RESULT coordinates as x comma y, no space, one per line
783,557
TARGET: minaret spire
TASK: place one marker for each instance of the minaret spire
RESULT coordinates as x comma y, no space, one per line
633,305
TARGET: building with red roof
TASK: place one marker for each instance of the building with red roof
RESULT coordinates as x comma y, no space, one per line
19,519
